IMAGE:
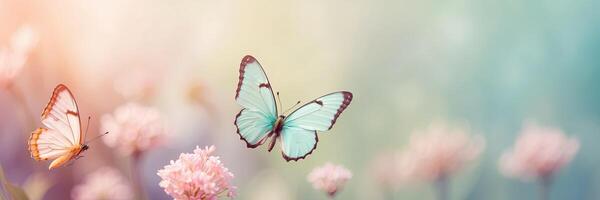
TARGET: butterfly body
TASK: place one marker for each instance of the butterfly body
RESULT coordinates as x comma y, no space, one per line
62,140
276,132
278,124
260,120
74,152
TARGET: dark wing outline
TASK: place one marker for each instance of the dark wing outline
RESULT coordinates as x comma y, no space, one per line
244,139
347,100
245,61
57,90
288,159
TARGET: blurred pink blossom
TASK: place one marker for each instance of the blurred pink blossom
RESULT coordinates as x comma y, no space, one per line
14,56
439,151
196,176
329,178
538,153
133,129
105,183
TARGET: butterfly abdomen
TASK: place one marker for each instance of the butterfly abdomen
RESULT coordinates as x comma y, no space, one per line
62,160
277,127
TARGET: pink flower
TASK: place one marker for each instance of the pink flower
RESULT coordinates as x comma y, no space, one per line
133,129
14,57
329,178
196,176
439,151
106,183
538,153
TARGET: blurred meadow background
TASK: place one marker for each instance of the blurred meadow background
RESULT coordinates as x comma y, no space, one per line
488,67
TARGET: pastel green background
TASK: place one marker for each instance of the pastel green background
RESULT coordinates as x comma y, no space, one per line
487,65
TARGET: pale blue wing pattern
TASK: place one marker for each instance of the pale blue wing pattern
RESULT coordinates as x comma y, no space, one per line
254,90
297,143
254,93
299,133
253,126
321,113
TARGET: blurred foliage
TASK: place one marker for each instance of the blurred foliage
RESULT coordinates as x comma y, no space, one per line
9,191
489,65
36,185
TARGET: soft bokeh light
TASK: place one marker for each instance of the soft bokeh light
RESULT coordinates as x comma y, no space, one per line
136,83
134,129
440,151
14,55
104,183
329,178
539,152
486,66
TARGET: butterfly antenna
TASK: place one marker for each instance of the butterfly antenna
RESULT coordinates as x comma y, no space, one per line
95,138
280,103
88,125
292,107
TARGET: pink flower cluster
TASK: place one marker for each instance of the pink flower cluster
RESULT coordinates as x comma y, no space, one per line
439,151
197,176
538,153
106,183
14,56
329,178
133,129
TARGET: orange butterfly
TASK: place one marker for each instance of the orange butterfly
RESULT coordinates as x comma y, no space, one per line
63,140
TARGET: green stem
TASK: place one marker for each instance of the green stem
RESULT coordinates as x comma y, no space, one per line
388,193
544,184
441,187
4,195
136,175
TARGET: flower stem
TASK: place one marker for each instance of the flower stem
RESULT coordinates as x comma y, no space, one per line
441,187
388,193
331,195
136,177
544,185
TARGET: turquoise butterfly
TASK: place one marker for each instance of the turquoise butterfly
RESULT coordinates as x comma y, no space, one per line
259,119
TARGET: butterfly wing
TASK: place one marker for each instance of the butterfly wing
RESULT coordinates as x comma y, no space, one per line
299,133
47,144
253,126
321,113
62,115
62,139
297,143
254,93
